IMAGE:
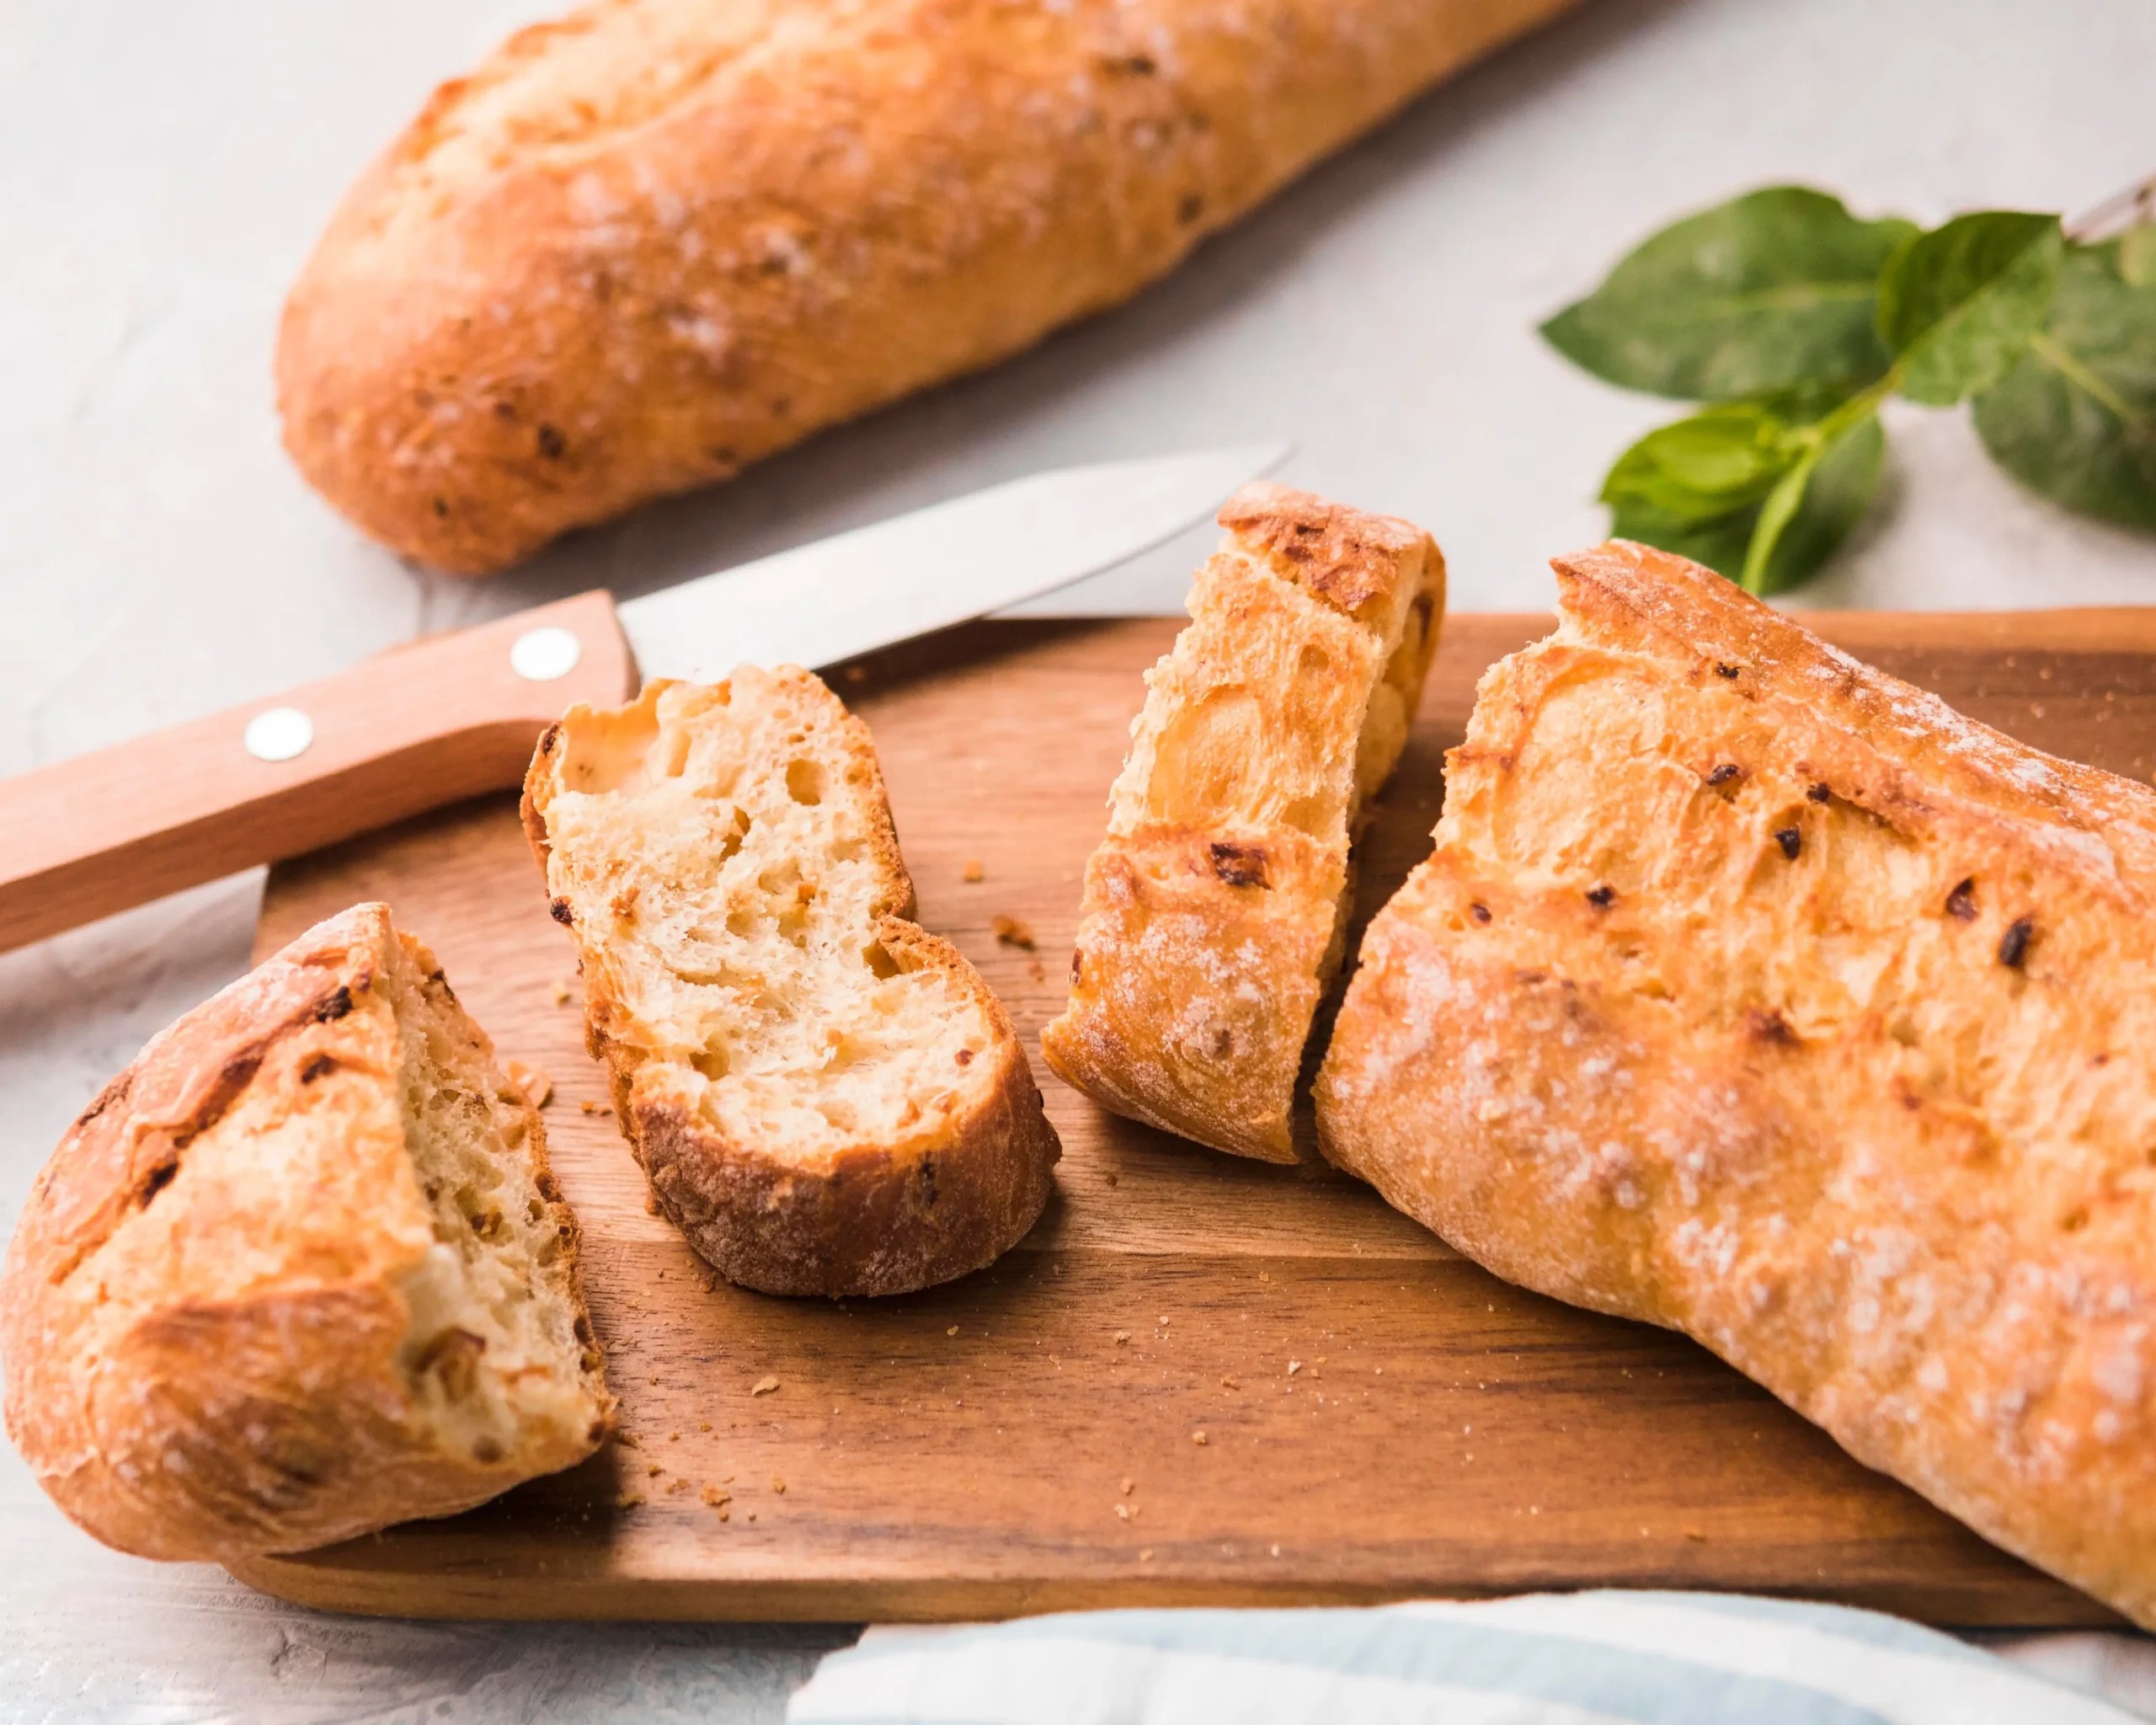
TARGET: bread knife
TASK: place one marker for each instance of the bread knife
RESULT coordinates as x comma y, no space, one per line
454,715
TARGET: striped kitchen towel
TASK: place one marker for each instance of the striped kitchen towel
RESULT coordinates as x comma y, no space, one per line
1589,1659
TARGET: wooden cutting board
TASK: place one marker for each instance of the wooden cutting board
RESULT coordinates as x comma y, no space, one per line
1199,1380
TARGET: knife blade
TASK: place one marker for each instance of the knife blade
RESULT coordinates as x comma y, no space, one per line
455,715
856,592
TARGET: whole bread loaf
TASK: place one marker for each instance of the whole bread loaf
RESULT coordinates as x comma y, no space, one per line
301,1271
1214,910
825,1096
638,249
1752,992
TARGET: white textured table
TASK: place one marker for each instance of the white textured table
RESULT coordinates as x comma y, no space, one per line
163,169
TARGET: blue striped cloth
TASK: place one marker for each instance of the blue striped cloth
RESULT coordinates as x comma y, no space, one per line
1589,1659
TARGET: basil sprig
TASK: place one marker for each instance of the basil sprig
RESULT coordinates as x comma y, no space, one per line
1795,319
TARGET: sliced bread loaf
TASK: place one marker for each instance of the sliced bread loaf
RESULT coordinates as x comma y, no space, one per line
826,1098
301,1271
1751,992
1213,910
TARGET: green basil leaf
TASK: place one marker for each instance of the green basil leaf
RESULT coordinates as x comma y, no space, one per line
1811,510
1774,289
2076,418
1774,521
2137,255
1719,460
1957,305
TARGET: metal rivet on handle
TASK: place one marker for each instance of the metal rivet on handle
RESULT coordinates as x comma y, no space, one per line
541,656
279,734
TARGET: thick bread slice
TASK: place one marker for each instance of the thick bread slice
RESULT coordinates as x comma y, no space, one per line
635,250
1754,993
826,1099
1213,910
301,1271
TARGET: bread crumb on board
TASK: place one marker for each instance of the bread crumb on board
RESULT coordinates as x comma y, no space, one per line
562,991
532,1083
1010,932
778,1485
629,1500
972,872
764,1386
1198,1438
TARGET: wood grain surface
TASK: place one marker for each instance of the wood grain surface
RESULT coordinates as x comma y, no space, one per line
1199,1380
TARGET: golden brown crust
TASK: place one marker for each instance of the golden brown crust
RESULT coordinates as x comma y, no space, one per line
1211,925
207,1345
1752,992
946,1194
637,250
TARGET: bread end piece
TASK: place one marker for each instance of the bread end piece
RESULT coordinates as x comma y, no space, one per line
1213,920
826,1099
300,1272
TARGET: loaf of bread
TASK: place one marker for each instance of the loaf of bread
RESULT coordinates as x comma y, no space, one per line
299,1272
826,1098
637,250
1213,914
1752,992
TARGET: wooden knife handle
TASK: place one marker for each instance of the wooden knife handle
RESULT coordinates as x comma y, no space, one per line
442,719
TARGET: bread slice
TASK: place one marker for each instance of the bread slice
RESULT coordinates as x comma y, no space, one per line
1213,922
826,1099
301,1271
1752,992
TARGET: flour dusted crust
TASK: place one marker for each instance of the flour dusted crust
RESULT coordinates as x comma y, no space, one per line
826,1098
638,249
230,1326
1212,921
1752,992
